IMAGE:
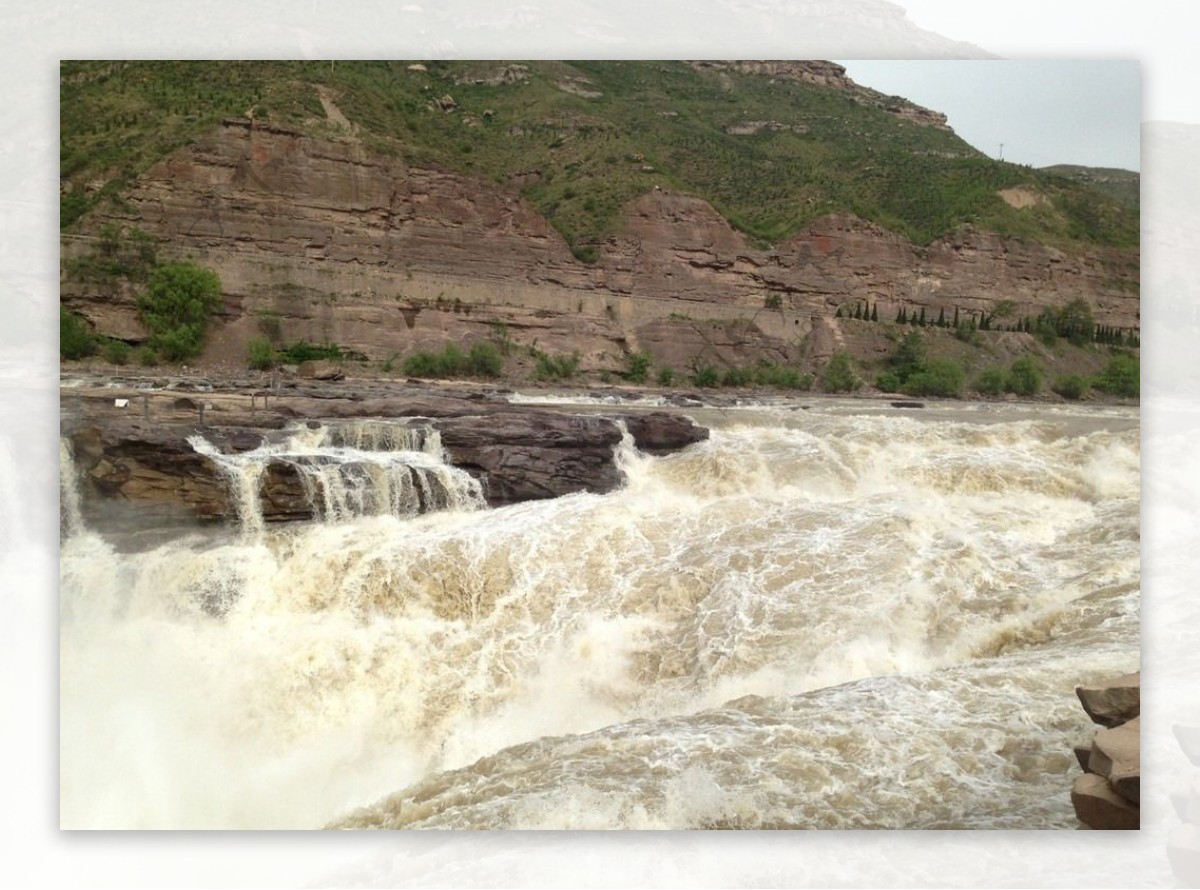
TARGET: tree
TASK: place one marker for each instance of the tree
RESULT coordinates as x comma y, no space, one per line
176,306
75,338
909,356
1074,321
839,374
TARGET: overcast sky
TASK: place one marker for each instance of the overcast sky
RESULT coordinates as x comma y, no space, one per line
1043,111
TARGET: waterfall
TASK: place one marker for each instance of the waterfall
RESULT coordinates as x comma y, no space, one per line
70,512
363,468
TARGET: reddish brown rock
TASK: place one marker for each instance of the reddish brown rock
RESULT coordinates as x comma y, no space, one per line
1113,702
1116,755
330,242
1098,806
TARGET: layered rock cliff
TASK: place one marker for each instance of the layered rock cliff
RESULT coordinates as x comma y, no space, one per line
325,239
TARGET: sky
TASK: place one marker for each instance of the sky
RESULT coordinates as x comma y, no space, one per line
1037,111
1159,33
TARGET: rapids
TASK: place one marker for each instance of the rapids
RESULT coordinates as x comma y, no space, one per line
841,617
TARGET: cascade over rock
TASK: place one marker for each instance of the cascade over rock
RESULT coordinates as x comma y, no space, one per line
311,457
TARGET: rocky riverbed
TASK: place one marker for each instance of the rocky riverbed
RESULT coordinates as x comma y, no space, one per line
133,440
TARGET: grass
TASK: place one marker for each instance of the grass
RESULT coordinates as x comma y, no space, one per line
579,160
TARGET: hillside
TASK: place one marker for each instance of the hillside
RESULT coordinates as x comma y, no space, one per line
772,146
1123,186
607,216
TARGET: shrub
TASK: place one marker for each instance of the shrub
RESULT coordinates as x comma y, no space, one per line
665,376
1024,377
176,306
637,366
303,351
555,367
909,356
887,382
145,356
484,360
1072,387
447,363
769,374
773,301
969,335
939,377
705,375
260,353
502,338
990,381
1121,377
115,352
737,377
839,374
75,340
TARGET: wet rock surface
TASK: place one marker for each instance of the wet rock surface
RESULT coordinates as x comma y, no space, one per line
1108,795
139,454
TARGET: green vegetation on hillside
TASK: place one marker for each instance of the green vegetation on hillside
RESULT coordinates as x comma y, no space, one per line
582,139
176,306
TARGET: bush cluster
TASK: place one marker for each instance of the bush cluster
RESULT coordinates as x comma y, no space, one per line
839,375
1121,377
762,373
482,360
911,372
557,366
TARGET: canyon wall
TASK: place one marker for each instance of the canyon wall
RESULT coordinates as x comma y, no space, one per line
324,239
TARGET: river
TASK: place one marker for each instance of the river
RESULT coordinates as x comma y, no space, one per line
832,614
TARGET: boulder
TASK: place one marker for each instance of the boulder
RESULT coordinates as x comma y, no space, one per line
528,455
1113,702
1098,806
1116,755
660,432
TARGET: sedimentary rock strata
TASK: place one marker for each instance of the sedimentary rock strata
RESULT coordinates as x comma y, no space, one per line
324,240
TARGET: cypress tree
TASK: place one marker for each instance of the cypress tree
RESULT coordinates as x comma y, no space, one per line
902,318
941,322
858,311
921,322
875,312
956,318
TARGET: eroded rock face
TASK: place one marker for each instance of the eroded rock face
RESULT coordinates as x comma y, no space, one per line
516,453
323,240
